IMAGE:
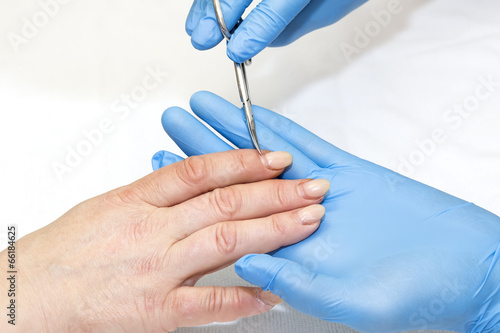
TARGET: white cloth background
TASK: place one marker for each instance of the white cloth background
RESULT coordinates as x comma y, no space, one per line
71,72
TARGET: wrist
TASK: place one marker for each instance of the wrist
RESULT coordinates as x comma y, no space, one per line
23,295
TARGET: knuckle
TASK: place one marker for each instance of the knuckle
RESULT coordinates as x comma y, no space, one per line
147,306
142,227
152,262
281,196
237,299
124,195
278,228
240,162
137,231
225,238
193,170
215,300
187,308
177,309
225,202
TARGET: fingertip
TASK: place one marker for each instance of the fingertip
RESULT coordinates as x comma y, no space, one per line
268,299
202,101
194,16
190,24
164,158
311,215
197,45
188,29
206,35
199,97
156,160
172,115
270,273
241,48
252,268
276,160
190,134
243,263
236,57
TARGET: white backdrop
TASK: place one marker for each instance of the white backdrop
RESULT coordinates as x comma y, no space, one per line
419,94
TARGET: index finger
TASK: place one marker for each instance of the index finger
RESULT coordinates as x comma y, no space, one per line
196,175
202,24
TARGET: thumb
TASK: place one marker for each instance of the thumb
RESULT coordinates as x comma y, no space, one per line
164,158
307,292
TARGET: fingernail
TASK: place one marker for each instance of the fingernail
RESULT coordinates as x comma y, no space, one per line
311,214
268,298
315,188
276,160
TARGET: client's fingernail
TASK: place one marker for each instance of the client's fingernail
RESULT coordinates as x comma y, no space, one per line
315,188
268,298
276,160
311,214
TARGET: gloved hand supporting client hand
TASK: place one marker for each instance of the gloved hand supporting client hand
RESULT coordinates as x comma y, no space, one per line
392,254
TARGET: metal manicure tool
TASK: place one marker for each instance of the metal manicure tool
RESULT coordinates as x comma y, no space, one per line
241,77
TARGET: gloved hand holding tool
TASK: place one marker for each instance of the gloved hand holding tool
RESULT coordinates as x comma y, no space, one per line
271,23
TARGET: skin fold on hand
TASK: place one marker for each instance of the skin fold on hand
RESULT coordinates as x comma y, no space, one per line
128,260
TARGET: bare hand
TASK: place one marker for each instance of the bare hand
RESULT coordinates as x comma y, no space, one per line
128,260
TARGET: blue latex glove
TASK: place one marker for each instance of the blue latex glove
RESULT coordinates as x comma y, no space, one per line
272,22
392,254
